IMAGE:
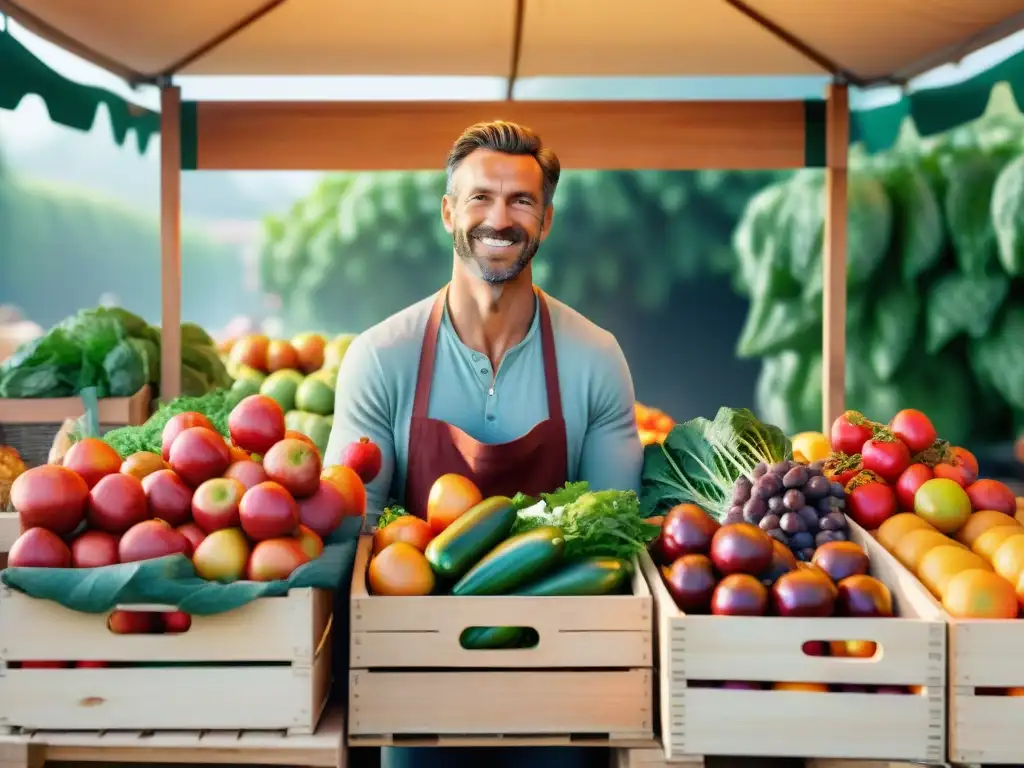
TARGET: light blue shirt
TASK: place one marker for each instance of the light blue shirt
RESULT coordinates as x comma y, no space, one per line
377,382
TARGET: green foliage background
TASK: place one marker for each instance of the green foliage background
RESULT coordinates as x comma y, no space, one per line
935,285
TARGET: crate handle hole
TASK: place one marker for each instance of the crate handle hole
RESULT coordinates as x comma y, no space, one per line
498,638
843,649
122,622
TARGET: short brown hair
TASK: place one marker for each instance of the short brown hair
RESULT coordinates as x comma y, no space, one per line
510,139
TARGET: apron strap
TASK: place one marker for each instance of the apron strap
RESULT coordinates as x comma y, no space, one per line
425,374
547,340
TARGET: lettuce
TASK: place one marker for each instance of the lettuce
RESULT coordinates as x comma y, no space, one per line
700,461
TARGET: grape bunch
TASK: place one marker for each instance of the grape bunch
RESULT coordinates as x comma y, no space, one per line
794,504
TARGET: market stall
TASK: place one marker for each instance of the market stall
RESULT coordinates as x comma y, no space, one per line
870,44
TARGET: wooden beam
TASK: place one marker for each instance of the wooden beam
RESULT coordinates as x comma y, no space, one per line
604,135
170,243
833,353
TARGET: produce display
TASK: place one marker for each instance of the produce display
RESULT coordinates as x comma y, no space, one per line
112,350
737,569
299,374
254,506
925,502
653,424
570,542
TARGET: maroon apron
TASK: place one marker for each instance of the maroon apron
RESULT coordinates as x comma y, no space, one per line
535,463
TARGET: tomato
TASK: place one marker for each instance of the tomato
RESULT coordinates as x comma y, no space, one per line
849,432
871,504
885,459
256,423
411,530
400,569
991,494
913,477
450,496
914,429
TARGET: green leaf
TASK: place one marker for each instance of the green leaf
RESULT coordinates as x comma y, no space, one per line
1008,216
958,304
967,206
918,233
777,392
893,327
774,325
998,358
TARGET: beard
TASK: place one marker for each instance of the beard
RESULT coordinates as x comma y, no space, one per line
491,270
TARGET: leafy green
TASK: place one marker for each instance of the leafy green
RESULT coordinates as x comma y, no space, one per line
391,513
700,460
972,177
1008,216
958,303
594,523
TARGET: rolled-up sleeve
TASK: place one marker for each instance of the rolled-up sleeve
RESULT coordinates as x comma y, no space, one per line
612,456
361,409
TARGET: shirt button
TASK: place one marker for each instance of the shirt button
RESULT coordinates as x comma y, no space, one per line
490,392
483,370
491,417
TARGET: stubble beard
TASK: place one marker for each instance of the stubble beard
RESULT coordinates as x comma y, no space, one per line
463,242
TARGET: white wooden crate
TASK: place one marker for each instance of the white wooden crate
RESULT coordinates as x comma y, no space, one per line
773,723
266,665
588,680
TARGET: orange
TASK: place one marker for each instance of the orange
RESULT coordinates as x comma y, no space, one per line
1008,560
450,496
858,649
912,547
807,687
942,563
987,543
411,530
400,569
980,522
978,594
898,526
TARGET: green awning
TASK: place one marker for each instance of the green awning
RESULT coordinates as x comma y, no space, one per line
939,109
70,104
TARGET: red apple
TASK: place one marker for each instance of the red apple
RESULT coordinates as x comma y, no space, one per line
275,559
116,503
194,534
215,504
294,465
309,542
176,622
248,473
199,454
268,511
862,595
151,539
804,592
691,581
739,594
686,530
94,549
39,548
256,423
324,510
178,424
741,548
168,497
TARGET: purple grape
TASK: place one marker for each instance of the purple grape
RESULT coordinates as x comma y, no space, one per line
769,522
837,490
759,470
781,467
810,517
768,486
793,500
833,521
791,522
824,506
754,510
779,535
775,505
802,540
817,488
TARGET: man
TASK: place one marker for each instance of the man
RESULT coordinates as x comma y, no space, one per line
490,378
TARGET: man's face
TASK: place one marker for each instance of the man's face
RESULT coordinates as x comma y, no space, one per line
496,213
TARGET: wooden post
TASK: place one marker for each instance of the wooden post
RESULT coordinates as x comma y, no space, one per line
833,352
170,242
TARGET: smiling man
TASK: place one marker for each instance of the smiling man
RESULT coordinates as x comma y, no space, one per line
490,378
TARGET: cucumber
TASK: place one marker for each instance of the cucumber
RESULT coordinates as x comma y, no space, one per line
514,562
454,551
480,638
590,576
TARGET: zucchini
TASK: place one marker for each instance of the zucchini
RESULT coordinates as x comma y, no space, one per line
455,549
514,562
590,576
480,638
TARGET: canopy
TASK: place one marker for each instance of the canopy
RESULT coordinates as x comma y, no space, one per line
68,103
864,43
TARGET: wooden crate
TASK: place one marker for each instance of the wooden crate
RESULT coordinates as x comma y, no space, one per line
30,425
770,723
588,681
266,665
10,529
983,654
324,749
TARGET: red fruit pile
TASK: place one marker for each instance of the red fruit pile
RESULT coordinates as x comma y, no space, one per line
235,517
883,466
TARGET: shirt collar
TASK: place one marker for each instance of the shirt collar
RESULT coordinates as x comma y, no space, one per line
449,330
